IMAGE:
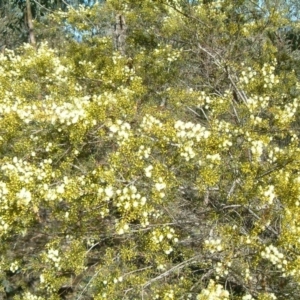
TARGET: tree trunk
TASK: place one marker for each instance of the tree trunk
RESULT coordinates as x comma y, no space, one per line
32,40
120,33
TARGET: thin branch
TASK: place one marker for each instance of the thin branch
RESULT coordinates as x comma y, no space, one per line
193,112
44,7
216,61
186,15
85,288
233,187
236,114
240,93
204,114
168,272
258,218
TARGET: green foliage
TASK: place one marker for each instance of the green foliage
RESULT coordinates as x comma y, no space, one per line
169,171
12,31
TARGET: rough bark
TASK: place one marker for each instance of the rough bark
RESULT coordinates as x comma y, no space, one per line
120,33
31,37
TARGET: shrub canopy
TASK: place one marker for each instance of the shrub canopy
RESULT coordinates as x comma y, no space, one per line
163,165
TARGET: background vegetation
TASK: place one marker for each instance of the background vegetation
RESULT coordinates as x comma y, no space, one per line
149,150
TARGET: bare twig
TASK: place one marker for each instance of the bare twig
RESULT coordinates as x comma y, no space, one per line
44,7
168,272
237,90
233,187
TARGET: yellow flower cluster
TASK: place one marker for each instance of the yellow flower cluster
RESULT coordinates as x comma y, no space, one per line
129,198
213,245
158,236
247,76
188,134
54,257
269,77
121,130
213,291
29,296
272,254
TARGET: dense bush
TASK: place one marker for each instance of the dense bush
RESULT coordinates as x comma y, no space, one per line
167,170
